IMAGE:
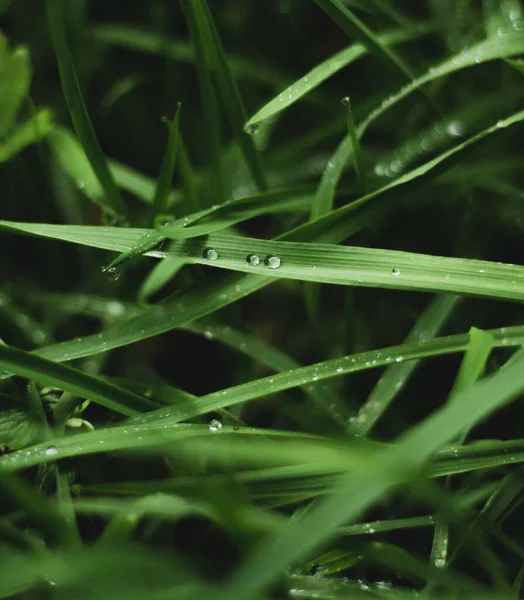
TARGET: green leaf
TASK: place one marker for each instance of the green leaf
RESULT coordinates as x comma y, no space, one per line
474,361
231,99
15,77
159,275
33,130
111,199
17,429
326,69
355,28
395,376
48,373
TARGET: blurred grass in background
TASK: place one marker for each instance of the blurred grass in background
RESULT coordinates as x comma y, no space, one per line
333,419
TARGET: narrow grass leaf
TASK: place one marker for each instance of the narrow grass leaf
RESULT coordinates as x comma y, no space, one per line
49,373
160,203
210,103
314,78
231,99
15,77
112,200
474,361
31,131
158,277
395,376
355,28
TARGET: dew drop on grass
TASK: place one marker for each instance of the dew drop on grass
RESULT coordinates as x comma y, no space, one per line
112,273
210,254
251,129
345,101
215,425
253,260
51,451
395,271
272,261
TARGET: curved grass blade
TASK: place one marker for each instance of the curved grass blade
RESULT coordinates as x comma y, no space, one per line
158,277
474,361
355,28
50,373
112,200
266,354
395,376
226,84
160,203
153,42
324,370
327,69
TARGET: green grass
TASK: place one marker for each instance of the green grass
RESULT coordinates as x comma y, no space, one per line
269,344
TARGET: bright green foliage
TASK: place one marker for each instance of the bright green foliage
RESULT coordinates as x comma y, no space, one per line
277,356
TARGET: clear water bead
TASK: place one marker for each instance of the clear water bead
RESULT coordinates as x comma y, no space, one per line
395,271
345,101
210,254
272,261
253,260
51,451
215,425
112,273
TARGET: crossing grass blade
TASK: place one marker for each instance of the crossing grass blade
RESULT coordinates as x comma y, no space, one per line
48,373
355,28
112,200
314,78
395,376
15,80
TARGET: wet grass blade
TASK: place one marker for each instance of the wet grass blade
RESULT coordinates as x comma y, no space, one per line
355,28
49,373
395,376
359,490
112,200
231,99
314,78
160,203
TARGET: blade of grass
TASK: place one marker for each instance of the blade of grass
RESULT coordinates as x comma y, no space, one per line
113,202
14,82
209,100
314,78
50,373
160,203
395,377
355,28
231,99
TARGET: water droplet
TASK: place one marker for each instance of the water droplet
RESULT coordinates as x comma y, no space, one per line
51,451
251,129
399,359
253,260
272,261
339,369
80,184
210,254
455,128
215,425
395,271
345,101
208,335
440,563
112,273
